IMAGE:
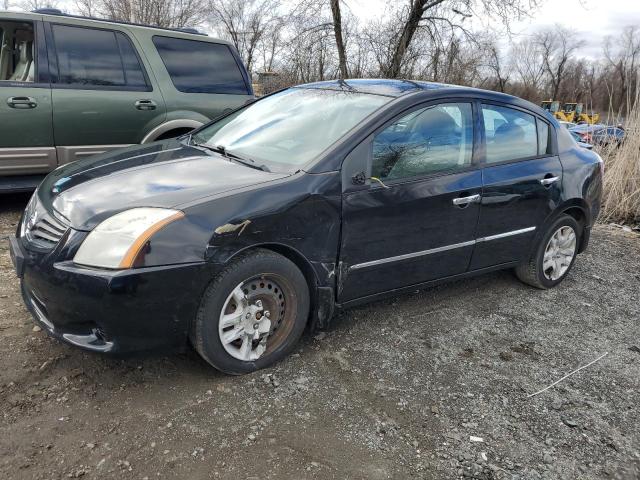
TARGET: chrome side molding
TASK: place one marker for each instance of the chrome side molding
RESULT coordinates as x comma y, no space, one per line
407,256
505,234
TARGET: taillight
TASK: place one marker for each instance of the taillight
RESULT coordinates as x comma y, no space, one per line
601,162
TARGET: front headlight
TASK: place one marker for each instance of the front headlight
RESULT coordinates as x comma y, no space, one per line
117,241
29,213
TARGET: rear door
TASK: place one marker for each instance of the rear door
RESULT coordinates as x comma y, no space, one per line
521,179
103,97
26,134
416,219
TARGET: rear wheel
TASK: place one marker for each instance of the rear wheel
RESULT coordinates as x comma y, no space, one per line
252,314
554,256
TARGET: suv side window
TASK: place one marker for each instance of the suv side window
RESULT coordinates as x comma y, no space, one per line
510,134
200,67
17,53
97,58
430,140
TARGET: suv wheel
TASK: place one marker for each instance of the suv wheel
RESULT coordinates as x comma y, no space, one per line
252,314
554,255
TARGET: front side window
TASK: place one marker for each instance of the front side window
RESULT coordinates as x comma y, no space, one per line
93,57
200,67
427,141
288,129
17,53
510,134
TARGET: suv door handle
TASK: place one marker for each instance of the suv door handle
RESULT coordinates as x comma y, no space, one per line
145,105
463,201
546,181
22,102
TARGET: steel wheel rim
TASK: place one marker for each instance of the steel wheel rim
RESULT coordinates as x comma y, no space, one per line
257,317
559,253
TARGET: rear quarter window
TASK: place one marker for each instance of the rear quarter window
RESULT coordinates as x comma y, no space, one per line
565,140
200,67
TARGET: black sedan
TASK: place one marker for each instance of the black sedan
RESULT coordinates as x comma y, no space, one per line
242,234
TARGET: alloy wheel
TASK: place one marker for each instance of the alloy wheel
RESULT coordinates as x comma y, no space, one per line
559,253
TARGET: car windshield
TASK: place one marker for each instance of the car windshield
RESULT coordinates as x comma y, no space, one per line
290,128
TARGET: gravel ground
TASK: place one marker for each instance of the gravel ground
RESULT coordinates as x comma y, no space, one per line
430,385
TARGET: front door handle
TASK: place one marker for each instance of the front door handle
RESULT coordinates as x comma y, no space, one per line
463,201
546,181
22,102
145,105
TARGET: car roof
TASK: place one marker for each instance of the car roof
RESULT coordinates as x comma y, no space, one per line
398,87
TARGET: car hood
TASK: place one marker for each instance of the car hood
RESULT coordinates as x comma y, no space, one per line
163,174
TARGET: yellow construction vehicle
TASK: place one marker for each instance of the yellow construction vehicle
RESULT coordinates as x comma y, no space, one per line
570,112
553,106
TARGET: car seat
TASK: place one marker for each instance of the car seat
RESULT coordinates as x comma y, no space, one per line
25,62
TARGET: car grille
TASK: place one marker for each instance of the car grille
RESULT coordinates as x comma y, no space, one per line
47,231
40,228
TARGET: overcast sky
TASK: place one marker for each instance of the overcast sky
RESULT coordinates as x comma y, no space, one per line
593,20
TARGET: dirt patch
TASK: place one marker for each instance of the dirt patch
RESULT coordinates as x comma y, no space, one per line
430,385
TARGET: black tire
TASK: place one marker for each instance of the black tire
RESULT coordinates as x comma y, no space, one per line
532,272
254,266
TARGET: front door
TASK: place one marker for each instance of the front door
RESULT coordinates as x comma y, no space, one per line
102,95
522,180
415,220
26,134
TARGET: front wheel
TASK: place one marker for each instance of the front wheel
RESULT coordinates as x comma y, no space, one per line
554,256
252,314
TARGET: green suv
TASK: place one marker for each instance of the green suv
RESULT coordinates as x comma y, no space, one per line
72,86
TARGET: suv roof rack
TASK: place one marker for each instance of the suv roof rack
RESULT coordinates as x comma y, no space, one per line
55,11
48,11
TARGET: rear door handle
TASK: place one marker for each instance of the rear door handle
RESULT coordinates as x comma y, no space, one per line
462,201
546,181
22,102
145,105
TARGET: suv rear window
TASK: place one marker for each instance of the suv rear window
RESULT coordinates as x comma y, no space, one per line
200,67
96,57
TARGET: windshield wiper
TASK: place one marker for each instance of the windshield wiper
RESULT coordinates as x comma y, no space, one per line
222,150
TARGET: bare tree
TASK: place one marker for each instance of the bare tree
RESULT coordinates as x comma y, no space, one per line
30,5
432,16
245,23
623,55
337,28
557,46
497,66
161,13
528,65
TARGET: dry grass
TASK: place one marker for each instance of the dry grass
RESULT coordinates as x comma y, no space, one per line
621,200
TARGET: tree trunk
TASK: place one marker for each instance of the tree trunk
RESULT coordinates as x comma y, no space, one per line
417,12
337,27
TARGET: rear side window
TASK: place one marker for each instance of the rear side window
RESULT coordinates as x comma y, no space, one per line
544,145
94,57
200,67
510,134
17,52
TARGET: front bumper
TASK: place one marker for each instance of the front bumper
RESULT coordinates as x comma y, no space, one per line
113,312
